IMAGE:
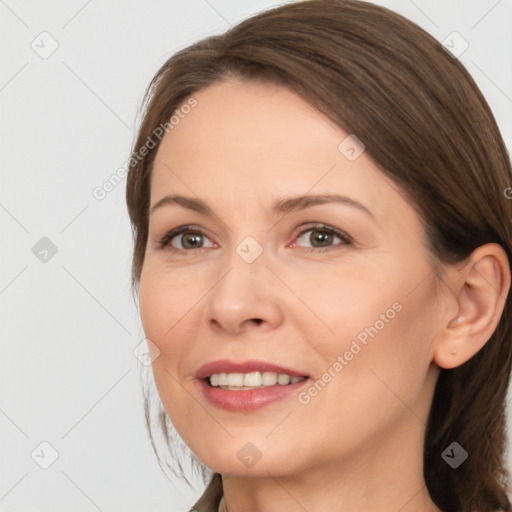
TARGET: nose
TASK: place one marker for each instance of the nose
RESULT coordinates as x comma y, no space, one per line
246,297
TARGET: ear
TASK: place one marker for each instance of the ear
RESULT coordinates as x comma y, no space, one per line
480,289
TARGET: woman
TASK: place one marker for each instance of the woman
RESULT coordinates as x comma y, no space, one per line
322,259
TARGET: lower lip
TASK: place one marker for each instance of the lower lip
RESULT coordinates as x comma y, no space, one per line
249,399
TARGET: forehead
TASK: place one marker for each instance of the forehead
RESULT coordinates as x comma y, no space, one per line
256,141
234,118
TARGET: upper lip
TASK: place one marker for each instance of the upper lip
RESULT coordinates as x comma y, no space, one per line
227,366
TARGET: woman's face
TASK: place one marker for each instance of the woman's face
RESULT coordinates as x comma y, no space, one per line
264,283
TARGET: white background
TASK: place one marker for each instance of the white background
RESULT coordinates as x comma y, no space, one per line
68,326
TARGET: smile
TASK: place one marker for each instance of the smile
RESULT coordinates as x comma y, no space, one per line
252,380
247,385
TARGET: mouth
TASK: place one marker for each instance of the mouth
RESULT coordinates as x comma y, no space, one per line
251,380
249,385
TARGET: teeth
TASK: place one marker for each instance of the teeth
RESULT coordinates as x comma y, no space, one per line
235,379
269,378
251,380
284,379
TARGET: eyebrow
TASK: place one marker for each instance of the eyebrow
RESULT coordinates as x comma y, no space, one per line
281,206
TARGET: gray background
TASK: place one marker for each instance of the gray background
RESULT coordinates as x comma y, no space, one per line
68,326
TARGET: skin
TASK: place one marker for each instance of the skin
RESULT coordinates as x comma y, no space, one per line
358,444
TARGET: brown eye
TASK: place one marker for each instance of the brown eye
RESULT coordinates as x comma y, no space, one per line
188,240
323,237
184,238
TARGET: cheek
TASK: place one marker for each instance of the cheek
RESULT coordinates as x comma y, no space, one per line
382,372
161,308
381,319
152,302
170,301
396,334
349,300
160,314
166,299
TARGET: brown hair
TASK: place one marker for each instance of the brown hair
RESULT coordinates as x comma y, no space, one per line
427,126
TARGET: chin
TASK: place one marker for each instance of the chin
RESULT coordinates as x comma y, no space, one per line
246,459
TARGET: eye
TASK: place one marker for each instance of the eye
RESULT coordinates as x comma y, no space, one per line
322,237
184,238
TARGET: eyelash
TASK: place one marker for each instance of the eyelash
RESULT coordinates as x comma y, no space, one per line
164,241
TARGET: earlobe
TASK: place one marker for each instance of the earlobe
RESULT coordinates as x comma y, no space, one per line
481,293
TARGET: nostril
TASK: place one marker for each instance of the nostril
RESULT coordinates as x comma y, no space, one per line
257,320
